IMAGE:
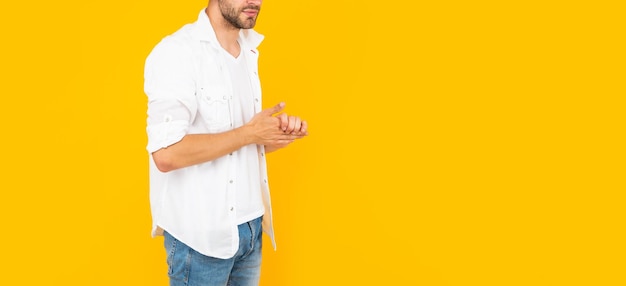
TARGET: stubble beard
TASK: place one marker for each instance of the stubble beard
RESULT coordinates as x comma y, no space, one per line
231,15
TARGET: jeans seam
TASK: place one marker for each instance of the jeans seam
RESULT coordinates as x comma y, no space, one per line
187,266
171,256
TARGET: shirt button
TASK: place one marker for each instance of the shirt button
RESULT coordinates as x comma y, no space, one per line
262,154
232,208
230,154
256,99
231,181
265,181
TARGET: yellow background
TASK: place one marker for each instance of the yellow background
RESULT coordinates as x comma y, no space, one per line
451,142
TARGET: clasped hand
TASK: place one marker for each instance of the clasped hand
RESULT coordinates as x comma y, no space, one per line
278,131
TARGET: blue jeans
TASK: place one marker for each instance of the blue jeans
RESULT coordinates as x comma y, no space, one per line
190,268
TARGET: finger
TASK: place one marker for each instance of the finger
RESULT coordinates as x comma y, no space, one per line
280,142
292,124
291,137
284,121
273,110
283,143
304,127
283,136
296,126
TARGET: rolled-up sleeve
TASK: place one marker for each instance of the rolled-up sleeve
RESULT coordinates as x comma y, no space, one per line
170,87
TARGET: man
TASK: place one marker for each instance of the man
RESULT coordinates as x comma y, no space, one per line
208,139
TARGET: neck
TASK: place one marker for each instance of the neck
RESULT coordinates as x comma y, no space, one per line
226,34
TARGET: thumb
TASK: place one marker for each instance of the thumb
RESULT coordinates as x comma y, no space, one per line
275,109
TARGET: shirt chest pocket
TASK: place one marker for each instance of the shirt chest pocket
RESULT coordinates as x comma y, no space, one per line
214,109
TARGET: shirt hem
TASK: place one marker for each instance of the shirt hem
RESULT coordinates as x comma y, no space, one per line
250,217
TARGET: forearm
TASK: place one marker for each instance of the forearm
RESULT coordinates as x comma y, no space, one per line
275,147
199,148
262,129
270,149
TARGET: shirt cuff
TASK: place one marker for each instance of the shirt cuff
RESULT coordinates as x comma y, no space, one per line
165,134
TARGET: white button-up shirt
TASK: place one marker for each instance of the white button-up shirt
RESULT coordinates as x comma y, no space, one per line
190,92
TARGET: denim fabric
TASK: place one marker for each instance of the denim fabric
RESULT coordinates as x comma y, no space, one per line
190,268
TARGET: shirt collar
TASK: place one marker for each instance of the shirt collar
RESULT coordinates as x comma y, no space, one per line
204,32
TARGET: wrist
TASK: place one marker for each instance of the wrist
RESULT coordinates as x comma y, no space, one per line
245,134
